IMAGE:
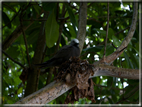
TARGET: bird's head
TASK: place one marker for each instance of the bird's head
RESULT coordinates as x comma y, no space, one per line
75,42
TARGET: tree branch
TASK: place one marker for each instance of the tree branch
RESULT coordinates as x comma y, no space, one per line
131,93
12,18
109,59
82,24
55,89
9,7
107,28
33,75
14,35
13,59
46,94
106,70
121,30
24,36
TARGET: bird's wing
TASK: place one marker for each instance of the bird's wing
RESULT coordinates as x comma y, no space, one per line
61,56
63,51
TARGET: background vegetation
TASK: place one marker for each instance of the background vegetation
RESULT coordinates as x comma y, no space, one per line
27,26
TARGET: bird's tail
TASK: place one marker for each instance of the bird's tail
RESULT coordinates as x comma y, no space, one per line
43,65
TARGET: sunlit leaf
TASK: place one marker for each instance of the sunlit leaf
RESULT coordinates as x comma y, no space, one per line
20,90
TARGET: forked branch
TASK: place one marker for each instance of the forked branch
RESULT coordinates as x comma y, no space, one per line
109,59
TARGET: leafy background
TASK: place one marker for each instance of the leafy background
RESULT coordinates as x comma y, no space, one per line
108,90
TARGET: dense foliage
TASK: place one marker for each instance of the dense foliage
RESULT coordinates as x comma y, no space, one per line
61,25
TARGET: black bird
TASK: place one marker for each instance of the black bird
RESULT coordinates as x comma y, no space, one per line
67,51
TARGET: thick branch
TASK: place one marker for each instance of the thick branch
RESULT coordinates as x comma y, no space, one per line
106,70
82,24
46,94
132,28
55,89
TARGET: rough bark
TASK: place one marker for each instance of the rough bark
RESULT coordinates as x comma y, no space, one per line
82,24
55,89
46,94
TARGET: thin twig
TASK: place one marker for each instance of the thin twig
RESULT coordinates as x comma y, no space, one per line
68,18
114,45
13,59
61,26
9,7
130,94
25,40
46,20
114,17
89,5
107,28
121,30
98,85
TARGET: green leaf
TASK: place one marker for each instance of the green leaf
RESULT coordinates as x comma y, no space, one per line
71,31
136,95
109,82
67,33
115,41
72,17
13,52
93,49
137,49
101,32
92,22
110,33
110,100
129,63
134,59
6,19
51,30
109,50
63,41
92,14
37,8
20,90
